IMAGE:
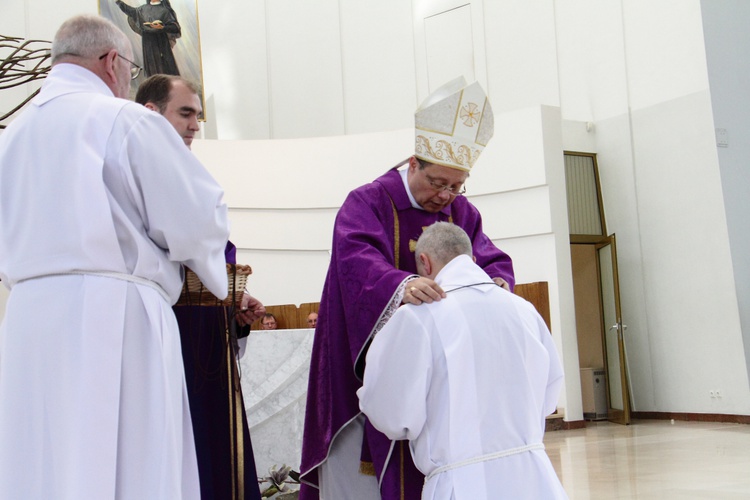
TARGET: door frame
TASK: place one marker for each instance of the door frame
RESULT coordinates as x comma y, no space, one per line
613,367
610,318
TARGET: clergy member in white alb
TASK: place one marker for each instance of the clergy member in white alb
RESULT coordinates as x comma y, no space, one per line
101,204
467,380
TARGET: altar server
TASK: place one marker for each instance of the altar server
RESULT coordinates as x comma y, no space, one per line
101,204
209,336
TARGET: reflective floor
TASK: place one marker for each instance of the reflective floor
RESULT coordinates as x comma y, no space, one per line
653,459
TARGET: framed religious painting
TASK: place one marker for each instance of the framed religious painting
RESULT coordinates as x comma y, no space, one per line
165,37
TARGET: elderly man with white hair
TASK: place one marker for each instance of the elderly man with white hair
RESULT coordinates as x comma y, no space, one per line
101,205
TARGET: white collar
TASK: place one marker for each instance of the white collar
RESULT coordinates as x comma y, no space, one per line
462,270
404,172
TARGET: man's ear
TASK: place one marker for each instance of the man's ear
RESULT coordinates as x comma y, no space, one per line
107,68
413,164
150,105
426,263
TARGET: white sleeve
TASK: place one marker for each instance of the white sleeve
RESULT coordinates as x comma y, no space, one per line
184,208
397,377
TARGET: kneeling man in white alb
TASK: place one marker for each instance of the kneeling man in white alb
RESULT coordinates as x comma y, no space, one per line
468,380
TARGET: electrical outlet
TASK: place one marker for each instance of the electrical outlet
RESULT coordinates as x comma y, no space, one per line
712,393
718,393
722,138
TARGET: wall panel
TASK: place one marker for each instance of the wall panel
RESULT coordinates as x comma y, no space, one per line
285,277
301,173
235,70
521,54
377,52
516,213
305,74
292,229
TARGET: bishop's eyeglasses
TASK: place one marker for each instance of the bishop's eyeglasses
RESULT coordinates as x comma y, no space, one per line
453,191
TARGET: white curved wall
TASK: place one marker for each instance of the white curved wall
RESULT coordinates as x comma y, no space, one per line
284,69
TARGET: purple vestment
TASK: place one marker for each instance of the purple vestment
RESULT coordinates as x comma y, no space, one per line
226,464
364,275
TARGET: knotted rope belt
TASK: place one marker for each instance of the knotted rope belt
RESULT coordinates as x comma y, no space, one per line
485,458
111,274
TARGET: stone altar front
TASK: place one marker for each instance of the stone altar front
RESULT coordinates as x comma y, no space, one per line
274,368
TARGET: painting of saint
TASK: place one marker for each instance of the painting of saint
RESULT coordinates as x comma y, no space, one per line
156,23
164,35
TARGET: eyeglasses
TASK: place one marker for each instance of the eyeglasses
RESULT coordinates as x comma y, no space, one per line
135,70
453,191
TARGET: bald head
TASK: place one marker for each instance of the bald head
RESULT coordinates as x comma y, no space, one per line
312,320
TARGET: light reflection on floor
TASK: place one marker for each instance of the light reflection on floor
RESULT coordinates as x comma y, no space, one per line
653,459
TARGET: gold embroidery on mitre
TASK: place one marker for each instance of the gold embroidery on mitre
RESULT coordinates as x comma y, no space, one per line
444,153
423,146
470,114
465,155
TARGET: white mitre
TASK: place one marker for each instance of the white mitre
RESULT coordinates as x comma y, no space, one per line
453,125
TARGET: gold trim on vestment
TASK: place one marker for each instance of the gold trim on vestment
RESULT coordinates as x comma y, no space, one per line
403,480
240,434
230,399
366,468
396,238
236,435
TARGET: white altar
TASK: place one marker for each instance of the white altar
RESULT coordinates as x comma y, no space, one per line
274,368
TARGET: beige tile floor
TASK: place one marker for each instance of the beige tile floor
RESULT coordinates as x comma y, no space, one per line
653,459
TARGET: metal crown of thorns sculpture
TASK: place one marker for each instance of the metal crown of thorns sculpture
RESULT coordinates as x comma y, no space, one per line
22,61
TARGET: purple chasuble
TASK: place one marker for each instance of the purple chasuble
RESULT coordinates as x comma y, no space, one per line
363,277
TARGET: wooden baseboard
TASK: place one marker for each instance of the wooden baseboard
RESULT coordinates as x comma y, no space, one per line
691,417
558,424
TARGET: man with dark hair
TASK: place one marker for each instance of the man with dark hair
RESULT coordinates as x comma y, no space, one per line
268,322
101,205
157,88
467,380
176,99
157,24
209,339
372,272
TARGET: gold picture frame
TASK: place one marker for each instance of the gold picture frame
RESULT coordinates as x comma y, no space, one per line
186,48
